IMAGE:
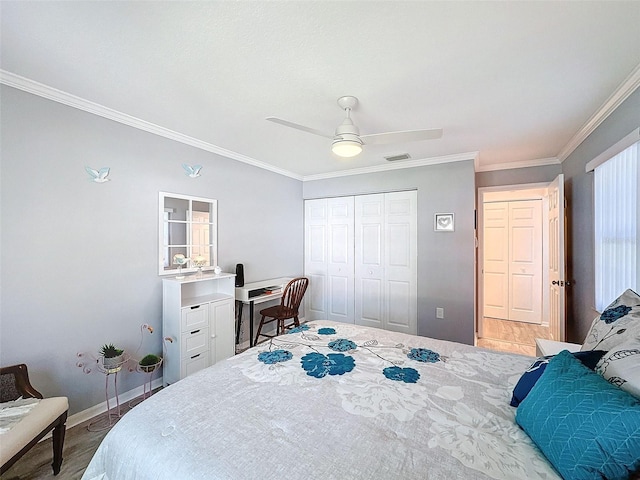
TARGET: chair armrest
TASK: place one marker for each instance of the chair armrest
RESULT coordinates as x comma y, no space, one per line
21,376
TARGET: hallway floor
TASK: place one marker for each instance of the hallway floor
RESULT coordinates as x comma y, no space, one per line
511,336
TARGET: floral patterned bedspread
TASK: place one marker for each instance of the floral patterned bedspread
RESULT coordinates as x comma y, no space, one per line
332,401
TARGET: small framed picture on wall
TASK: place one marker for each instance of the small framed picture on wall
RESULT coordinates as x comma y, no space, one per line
443,222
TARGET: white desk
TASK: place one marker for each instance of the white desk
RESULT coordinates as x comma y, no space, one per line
252,293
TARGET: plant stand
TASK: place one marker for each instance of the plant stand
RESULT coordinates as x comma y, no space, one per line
147,392
109,418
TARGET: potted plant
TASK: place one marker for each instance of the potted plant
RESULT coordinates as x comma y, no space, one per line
149,362
111,355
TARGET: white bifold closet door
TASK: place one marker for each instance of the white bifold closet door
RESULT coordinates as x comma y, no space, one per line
361,260
513,260
329,259
386,261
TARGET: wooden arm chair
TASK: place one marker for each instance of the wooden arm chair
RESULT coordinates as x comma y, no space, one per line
49,414
288,308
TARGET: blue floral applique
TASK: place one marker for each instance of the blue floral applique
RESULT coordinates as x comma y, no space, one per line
326,331
319,365
399,374
299,329
342,345
424,355
612,314
275,356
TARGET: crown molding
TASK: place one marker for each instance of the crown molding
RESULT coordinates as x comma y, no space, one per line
459,157
50,93
539,162
626,88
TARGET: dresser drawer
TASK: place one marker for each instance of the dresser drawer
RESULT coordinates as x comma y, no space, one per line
193,364
194,317
194,342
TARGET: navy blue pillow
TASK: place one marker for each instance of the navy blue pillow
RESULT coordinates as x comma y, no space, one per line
589,359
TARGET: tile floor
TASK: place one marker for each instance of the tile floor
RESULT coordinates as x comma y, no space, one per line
511,336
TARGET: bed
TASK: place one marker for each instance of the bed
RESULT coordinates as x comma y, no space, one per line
332,401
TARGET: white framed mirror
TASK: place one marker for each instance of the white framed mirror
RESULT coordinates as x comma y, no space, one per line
187,233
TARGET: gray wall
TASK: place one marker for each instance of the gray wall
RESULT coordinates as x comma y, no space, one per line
579,194
79,259
445,260
518,176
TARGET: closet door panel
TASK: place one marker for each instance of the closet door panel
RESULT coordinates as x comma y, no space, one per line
400,306
315,298
525,261
340,277
495,265
369,260
316,258
369,302
400,253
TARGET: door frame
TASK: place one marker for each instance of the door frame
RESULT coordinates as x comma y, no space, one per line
526,191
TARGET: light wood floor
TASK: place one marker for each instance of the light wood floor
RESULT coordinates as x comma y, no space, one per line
510,336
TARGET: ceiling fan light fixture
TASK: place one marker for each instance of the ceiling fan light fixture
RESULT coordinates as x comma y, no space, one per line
347,148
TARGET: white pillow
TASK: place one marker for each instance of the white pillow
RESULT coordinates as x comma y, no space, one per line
621,366
619,323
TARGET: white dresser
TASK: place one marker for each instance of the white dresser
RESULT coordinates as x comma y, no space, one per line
198,318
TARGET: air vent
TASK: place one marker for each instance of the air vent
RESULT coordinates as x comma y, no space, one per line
401,156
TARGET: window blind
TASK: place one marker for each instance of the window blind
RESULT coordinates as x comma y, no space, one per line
617,227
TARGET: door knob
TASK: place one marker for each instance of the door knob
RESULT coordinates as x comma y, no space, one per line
555,282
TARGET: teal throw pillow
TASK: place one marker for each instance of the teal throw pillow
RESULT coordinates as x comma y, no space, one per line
586,427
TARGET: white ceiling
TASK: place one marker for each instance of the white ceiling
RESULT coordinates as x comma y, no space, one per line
513,81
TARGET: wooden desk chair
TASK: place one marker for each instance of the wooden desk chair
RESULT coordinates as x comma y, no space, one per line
288,308
49,414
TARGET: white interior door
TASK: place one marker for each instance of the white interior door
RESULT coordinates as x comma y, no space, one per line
316,258
525,261
340,264
557,295
200,238
369,260
400,253
496,260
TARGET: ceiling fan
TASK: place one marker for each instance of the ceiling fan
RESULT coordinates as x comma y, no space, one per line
347,141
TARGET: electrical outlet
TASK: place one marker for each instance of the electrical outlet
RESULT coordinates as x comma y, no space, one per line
439,312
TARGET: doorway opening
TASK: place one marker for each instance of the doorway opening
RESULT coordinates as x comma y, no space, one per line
518,252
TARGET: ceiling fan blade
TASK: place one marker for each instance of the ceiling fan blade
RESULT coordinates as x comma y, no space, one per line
299,127
401,137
